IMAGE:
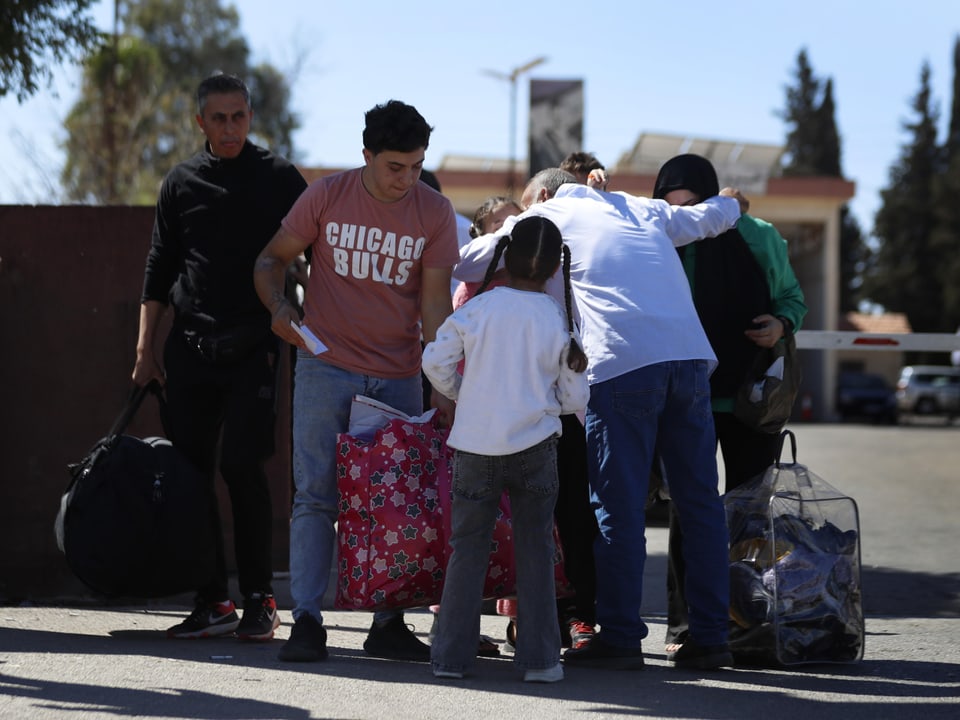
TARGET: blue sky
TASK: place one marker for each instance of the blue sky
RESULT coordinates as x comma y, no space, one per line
698,68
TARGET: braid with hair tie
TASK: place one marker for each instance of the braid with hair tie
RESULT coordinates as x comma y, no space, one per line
502,243
576,358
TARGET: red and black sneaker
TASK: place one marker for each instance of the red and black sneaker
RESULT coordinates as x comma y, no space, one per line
260,618
580,634
207,620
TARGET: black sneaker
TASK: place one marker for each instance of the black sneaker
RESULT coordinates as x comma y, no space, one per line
691,656
307,643
395,641
260,618
207,620
600,654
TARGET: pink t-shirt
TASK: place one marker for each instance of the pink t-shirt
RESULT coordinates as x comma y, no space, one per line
466,290
363,297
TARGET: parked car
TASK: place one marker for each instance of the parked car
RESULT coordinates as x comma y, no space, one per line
865,396
929,390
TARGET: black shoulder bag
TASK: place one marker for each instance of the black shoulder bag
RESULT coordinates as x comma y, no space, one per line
137,517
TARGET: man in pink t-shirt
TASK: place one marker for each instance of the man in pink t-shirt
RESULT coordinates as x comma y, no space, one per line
382,249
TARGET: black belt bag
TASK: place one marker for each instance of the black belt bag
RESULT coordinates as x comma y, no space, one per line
228,345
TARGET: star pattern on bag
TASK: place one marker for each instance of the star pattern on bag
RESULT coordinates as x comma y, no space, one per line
413,479
393,524
388,439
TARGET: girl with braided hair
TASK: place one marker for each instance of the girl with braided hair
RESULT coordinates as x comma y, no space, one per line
524,367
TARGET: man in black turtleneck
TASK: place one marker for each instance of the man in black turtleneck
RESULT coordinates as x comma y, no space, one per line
215,213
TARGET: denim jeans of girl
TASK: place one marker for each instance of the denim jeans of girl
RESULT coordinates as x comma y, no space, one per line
530,476
667,404
321,408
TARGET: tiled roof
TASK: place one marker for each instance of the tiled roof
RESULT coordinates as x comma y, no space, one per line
886,323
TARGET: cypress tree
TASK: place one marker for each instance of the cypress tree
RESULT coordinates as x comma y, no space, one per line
813,148
946,235
905,275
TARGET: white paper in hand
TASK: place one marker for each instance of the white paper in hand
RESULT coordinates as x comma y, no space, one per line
314,344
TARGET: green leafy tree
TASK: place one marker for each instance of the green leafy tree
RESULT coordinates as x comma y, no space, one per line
107,160
905,275
147,105
813,147
32,32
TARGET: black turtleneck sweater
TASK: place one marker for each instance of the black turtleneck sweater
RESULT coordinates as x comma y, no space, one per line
213,218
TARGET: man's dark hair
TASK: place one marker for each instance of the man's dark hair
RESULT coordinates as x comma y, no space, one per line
395,126
581,163
220,83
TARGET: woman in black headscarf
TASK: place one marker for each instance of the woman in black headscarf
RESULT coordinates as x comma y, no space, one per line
747,297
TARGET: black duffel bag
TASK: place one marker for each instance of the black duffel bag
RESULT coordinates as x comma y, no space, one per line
137,518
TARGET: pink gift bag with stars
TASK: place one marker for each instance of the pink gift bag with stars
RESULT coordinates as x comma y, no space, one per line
391,550
394,520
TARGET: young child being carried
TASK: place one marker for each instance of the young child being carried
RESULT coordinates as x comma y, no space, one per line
487,219
524,368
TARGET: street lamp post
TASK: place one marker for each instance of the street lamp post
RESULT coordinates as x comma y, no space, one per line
512,78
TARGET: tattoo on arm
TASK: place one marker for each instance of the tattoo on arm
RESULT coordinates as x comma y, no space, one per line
268,264
277,299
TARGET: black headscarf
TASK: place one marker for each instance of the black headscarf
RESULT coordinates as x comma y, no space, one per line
729,286
687,172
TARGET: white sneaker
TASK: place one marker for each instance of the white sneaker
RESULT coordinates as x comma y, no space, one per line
547,675
448,674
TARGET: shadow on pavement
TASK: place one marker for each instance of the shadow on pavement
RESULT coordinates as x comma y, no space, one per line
910,594
870,689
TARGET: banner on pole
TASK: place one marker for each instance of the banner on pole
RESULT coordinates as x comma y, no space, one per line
556,122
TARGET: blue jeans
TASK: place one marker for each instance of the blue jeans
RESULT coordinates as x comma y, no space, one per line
667,404
530,476
321,408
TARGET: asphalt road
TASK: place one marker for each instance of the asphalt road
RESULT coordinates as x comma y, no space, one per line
83,663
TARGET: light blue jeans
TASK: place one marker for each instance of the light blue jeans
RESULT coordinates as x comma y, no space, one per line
321,408
530,476
668,404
